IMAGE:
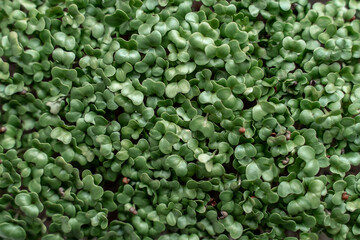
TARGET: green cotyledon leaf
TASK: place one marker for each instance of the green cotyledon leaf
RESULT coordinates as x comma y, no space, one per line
203,125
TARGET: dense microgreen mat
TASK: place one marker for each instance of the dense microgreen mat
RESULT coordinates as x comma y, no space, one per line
179,119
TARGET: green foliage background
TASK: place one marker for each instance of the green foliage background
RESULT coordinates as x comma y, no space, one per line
179,119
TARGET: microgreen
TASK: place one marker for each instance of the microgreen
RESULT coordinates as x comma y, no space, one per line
179,119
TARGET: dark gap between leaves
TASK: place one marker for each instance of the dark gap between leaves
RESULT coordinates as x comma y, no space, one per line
126,36
353,170
76,64
290,233
112,186
324,171
112,216
298,126
196,6
12,69
248,104
229,167
293,8
261,18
